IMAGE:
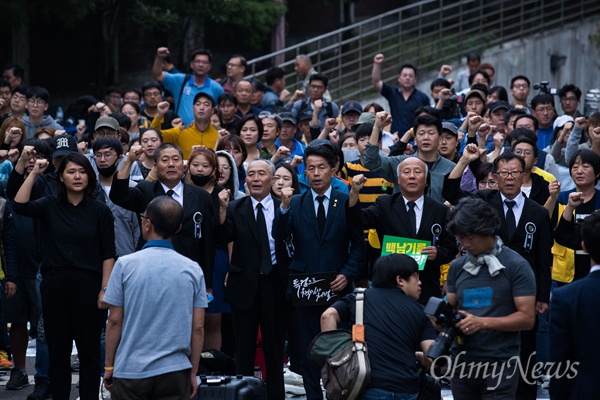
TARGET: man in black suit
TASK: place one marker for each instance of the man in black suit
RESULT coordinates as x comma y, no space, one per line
254,290
574,326
524,228
391,215
196,239
324,242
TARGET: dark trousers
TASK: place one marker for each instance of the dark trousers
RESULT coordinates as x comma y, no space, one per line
170,386
308,323
265,310
528,390
70,310
488,387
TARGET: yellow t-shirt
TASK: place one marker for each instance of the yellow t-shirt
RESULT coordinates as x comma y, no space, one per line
189,136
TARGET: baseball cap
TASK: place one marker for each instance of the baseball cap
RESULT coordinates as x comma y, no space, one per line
204,94
352,106
63,145
107,122
499,105
475,92
305,114
287,117
561,121
450,128
364,117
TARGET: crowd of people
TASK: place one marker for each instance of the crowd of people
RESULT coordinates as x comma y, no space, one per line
273,188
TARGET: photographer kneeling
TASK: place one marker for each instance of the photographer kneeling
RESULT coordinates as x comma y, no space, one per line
494,290
395,327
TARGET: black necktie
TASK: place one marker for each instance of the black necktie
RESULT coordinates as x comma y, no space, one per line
412,219
321,214
170,192
511,222
265,249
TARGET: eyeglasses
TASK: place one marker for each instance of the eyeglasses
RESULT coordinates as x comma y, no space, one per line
142,216
231,65
521,152
522,87
106,155
569,99
224,167
506,174
544,109
318,87
489,184
38,102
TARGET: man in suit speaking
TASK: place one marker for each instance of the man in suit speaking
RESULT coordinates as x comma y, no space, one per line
324,242
409,214
254,288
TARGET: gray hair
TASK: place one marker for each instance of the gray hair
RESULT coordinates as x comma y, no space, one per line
408,158
269,163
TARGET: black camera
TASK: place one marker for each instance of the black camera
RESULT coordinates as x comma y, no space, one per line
446,316
451,108
543,88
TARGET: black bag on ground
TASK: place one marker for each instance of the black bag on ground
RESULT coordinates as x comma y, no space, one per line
214,362
231,388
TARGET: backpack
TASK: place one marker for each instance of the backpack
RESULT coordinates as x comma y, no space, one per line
342,355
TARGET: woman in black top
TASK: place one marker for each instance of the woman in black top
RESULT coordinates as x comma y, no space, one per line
78,243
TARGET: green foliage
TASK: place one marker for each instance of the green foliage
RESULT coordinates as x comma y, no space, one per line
256,18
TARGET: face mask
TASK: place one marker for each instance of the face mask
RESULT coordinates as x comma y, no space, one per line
108,171
200,180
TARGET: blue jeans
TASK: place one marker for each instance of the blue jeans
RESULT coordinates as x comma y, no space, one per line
42,360
380,394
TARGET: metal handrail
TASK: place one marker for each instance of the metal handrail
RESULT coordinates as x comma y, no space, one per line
426,34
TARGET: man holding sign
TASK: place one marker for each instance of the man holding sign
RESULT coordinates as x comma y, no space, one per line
407,216
324,243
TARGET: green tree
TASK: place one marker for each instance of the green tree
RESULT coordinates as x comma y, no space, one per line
254,18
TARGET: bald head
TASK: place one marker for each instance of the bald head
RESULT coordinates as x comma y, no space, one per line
412,178
165,215
302,65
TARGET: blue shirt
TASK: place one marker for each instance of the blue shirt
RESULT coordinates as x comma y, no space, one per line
173,83
403,111
297,149
544,135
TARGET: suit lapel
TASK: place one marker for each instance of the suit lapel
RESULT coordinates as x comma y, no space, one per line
496,202
426,218
248,215
332,210
400,209
308,212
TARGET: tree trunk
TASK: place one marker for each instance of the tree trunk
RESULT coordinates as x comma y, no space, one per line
193,38
110,61
20,39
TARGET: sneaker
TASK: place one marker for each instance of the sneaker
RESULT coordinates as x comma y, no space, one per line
75,362
546,382
41,392
4,361
18,380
